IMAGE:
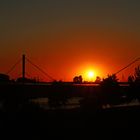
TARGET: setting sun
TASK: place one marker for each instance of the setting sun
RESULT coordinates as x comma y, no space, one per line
89,71
90,74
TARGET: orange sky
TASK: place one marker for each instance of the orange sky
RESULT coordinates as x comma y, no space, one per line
72,53
67,38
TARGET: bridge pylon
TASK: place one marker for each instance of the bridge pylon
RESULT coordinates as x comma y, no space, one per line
23,66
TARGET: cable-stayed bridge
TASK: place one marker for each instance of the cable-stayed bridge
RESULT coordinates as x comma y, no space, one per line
131,63
21,91
24,74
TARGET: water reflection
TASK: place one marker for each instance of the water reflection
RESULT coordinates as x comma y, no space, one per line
73,102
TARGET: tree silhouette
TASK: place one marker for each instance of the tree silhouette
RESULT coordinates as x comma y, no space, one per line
111,80
137,74
134,85
98,80
78,79
131,79
110,91
58,96
136,77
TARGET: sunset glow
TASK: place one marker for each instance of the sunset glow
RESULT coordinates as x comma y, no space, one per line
70,65
70,38
90,74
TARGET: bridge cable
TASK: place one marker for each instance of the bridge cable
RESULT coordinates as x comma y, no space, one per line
127,65
13,67
40,69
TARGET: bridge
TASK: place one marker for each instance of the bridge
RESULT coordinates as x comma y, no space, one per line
21,91
131,63
25,60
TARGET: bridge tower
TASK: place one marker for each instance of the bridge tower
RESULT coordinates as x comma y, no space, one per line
23,66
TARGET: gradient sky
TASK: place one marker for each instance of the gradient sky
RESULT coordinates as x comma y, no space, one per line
68,37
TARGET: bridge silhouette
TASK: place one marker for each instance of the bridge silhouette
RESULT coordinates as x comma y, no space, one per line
25,59
16,93
134,61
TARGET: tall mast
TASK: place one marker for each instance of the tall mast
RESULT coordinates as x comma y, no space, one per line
23,66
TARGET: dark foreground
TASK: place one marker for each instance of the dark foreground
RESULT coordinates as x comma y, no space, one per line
76,123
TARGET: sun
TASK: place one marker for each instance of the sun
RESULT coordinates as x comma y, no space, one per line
90,74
